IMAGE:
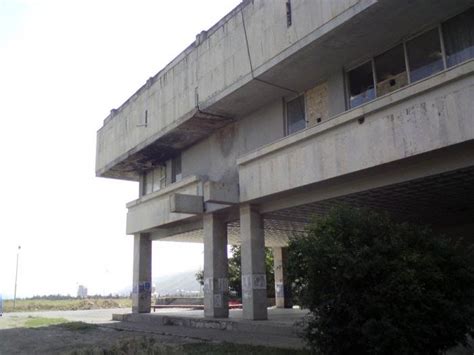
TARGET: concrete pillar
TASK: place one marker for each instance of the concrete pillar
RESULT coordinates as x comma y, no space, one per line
141,295
216,282
254,280
282,286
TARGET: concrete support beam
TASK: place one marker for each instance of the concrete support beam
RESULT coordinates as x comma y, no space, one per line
141,295
216,282
282,286
254,280
181,203
222,193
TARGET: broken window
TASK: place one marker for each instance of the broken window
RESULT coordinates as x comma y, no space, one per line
154,180
425,57
176,174
391,70
295,115
458,35
361,85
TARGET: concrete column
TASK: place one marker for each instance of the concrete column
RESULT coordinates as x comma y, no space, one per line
254,279
282,286
216,282
141,295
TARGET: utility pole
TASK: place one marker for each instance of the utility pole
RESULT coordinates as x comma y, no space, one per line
16,276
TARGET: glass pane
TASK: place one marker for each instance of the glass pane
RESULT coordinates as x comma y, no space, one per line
158,178
176,169
295,113
424,55
361,85
149,182
390,70
458,35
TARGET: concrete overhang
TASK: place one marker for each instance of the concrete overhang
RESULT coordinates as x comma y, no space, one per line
352,36
166,144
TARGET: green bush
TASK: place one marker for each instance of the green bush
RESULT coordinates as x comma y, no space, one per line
374,286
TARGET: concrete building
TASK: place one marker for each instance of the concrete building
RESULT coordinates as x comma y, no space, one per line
285,108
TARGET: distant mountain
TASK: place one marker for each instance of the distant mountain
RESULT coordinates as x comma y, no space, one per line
182,282
176,283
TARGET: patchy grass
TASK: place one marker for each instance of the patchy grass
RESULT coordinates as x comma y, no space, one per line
229,348
65,305
78,326
29,322
149,345
35,322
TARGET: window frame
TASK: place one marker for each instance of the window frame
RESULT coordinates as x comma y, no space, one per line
403,42
285,106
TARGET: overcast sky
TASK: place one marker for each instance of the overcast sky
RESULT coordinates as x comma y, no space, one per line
64,64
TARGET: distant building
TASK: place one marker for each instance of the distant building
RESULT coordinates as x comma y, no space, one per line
82,292
284,109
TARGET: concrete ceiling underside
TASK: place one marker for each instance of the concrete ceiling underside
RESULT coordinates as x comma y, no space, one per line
165,146
439,200
367,34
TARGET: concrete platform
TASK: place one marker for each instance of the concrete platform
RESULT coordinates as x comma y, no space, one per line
283,322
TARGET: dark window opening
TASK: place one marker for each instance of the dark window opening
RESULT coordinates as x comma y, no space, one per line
361,85
391,70
176,174
288,13
425,57
458,35
295,115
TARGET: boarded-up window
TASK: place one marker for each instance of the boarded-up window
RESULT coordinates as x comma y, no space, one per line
390,70
317,104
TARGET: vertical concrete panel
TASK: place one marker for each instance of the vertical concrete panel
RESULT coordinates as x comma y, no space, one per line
141,295
216,282
254,281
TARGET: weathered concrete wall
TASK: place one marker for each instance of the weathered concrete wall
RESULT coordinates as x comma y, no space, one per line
216,157
267,29
429,115
217,64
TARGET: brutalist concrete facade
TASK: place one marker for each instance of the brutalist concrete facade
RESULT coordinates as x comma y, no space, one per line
285,108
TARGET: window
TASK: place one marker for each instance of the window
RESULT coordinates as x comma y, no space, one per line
458,35
361,85
425,57
295,115
176,174
414,60
154,180
391,70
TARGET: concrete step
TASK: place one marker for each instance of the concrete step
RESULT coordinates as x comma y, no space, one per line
261,327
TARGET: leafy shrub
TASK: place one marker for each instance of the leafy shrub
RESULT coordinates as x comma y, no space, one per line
374,286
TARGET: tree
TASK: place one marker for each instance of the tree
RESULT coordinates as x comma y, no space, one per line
235,272
374,286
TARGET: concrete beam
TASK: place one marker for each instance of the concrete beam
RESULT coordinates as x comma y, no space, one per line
222,193
181,203
141,295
